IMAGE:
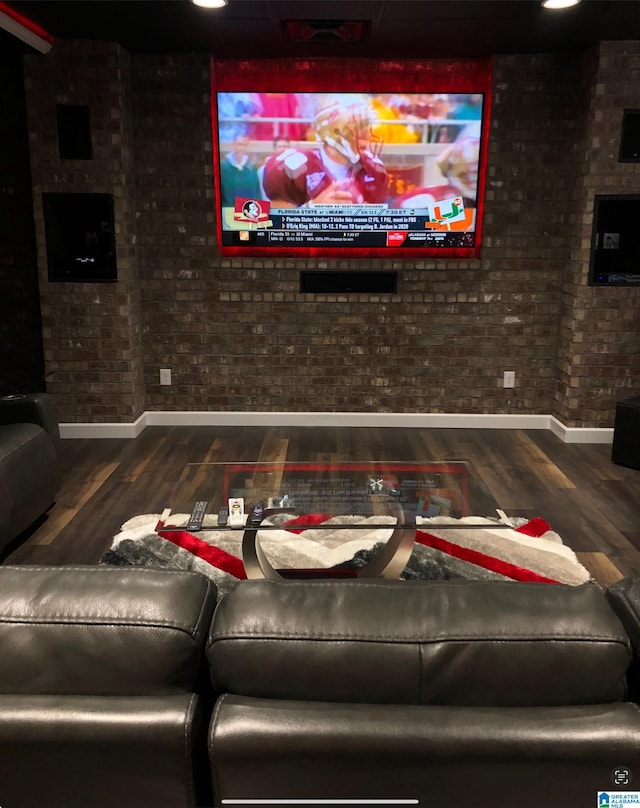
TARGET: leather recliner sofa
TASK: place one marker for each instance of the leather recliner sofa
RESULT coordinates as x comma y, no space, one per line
104,690
122,686
457,694
29,467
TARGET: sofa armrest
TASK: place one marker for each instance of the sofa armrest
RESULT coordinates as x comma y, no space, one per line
32,408
624,597
147,751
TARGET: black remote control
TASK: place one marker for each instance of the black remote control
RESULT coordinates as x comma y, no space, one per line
197,515
223,516
256,515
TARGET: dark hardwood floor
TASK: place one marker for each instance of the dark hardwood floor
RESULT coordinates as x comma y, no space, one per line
591,502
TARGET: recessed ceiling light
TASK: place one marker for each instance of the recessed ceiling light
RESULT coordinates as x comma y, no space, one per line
559,3
210,3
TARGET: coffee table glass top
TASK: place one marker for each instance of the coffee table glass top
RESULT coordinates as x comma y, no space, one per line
329,499
405,490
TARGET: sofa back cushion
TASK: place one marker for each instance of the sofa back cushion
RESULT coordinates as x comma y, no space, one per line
418,642
102,630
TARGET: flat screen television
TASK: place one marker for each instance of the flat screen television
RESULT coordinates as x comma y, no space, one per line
351,172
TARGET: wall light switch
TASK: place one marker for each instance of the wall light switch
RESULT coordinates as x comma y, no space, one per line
509,379
165,375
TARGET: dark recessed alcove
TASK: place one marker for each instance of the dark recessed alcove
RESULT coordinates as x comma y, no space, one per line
79,232
630,137
74,132
615,247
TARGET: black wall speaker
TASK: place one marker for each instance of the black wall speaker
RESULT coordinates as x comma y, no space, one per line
74,132
630,139
79,231
362,281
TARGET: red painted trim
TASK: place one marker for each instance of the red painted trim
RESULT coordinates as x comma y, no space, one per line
25,22
327,74
404,253
215,156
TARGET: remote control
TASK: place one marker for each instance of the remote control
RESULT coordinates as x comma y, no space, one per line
223,516
197,515
256,515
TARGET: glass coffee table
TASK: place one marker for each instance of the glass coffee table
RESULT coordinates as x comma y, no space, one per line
256,501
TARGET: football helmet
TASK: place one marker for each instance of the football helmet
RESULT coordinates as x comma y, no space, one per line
347,128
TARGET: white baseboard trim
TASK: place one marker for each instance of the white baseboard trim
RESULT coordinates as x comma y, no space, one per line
338,419
574,434
88,430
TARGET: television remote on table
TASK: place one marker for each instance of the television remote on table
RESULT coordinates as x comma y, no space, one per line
197,515
256,515
223,516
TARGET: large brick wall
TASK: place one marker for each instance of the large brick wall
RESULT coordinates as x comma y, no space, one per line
238,335
599,360
92,332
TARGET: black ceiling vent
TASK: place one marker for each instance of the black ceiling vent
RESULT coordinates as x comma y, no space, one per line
325,30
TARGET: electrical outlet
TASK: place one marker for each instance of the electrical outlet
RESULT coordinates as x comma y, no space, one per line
165,375
509,379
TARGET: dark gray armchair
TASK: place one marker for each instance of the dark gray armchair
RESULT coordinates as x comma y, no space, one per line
29,468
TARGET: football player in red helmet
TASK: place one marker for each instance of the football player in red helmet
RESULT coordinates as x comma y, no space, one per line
344,168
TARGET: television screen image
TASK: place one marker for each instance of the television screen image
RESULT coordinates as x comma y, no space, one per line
368,172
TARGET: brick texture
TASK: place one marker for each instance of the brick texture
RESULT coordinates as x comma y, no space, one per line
92,332
599,361
238,335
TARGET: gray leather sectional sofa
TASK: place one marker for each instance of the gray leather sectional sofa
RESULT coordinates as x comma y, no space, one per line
123,686
29,467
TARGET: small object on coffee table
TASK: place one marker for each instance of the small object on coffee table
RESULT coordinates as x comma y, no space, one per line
257,515
236,512
197,515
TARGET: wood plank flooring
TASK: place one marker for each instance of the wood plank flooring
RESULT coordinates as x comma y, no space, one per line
591,502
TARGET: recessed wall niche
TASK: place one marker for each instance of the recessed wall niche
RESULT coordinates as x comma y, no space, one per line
630,137
79,233
74,132
615,247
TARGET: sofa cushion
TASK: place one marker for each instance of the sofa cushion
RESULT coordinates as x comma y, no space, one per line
459,757
419,642
102,630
